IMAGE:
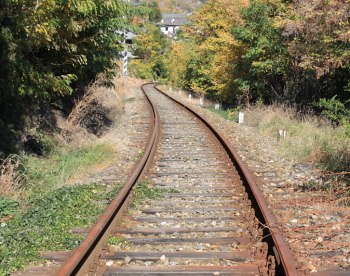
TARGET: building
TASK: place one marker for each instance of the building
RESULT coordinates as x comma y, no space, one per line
171,23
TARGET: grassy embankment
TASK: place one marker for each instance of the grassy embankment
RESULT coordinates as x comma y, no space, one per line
39,202
309,139
42,197
38,214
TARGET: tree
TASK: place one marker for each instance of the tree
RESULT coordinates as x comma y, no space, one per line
149,47
319,41
154,14
210,68
50,47
264,69
51,43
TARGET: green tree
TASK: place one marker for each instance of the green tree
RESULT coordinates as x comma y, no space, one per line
264,69
211,50
50,47
149,47
154,14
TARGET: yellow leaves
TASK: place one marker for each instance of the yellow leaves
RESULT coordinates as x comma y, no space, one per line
43,31
84,6
148,45
218,14
216,45
197,89
322,30
177,60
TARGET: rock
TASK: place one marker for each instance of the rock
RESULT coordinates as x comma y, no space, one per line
163,258
109,263
127,260
319,239
311,268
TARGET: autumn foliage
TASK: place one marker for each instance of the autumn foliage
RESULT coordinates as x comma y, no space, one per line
295,52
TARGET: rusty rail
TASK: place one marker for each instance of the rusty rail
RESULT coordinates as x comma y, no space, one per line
277,245
84,255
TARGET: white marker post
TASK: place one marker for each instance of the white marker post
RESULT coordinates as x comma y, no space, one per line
282,133
241,118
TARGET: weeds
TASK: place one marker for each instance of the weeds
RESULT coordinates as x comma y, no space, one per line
46,223
228,114
120,242
8,207
139,155
113,193
309,139
58,168
145,190
47,210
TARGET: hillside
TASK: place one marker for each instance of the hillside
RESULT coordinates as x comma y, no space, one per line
178,6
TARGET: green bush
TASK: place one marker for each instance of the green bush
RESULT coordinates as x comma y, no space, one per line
230,114
336,111
141,69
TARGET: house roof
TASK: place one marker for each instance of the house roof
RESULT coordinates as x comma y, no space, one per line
174,19
130,35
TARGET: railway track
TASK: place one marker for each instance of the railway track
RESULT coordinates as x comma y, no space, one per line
210,220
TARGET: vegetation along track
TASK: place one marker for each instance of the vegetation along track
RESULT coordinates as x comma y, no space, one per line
210,220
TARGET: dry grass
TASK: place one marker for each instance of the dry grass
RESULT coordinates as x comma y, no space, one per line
99,105
309,138
11,176
71,139
117,99
306,135
123,87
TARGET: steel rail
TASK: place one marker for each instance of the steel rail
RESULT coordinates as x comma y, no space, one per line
263,213
78,263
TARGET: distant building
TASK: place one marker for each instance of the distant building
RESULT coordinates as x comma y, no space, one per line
129,37
171,23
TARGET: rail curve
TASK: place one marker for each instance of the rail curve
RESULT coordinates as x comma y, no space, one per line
272,256
85,254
